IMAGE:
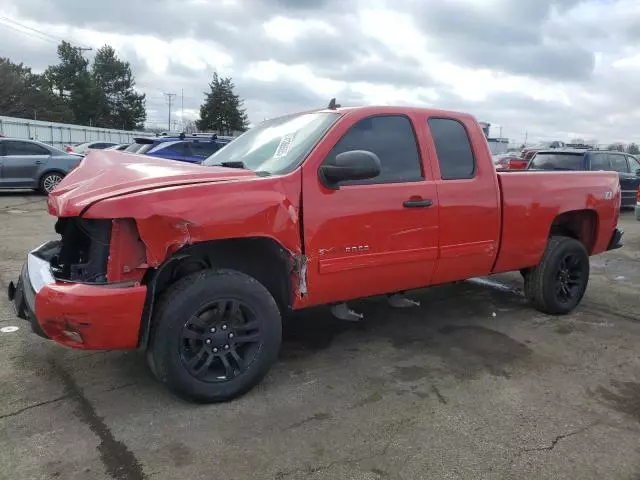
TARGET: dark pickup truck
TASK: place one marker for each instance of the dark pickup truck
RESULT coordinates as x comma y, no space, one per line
627,166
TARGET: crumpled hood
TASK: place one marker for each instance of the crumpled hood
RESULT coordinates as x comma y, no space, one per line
107,174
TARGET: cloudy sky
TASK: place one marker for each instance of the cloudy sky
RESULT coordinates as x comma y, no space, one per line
549,69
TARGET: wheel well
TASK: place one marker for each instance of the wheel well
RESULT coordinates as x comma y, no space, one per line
579,224
262,258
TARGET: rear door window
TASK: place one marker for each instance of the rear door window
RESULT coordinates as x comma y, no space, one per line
453,148
600,161
12,147
180,149
204,149
557,161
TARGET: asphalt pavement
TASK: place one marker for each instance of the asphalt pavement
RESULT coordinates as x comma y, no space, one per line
472,384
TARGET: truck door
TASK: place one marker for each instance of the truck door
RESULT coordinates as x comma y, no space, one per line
370,236
628,180
634,166
469,200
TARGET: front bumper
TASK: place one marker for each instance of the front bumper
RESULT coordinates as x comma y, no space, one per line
91,317
616,239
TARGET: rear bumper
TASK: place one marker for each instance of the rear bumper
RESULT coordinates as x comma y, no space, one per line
616,239
90,317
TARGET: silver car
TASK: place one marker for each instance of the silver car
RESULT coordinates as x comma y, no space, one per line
31,164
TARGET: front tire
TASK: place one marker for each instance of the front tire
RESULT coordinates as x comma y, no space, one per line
215,335
556,286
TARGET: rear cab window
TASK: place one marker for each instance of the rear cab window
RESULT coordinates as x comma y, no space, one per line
453,148
568,161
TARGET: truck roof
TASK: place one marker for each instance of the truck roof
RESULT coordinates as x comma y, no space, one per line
397,109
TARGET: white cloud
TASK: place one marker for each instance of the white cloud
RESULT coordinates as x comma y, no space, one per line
552,68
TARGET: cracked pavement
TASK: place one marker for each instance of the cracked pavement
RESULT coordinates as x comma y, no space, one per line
444,390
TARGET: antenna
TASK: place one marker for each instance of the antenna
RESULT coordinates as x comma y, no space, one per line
333,105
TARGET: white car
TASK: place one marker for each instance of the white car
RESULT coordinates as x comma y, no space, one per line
85,148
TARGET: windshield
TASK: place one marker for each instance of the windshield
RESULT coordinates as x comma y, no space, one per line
558,161
276,146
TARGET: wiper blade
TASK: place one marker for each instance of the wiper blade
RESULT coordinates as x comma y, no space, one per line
230,164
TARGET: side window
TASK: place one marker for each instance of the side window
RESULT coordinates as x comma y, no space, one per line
618,163
392,139
204,149
453,148
600,161
179,148
23,148
633,163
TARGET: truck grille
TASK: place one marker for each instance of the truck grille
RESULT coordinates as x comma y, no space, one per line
84,250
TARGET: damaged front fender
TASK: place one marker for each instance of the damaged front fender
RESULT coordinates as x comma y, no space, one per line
171,219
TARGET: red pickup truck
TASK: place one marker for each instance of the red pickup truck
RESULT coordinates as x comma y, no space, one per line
198,264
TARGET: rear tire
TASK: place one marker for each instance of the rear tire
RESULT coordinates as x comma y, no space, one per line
556,286
49,181
215,335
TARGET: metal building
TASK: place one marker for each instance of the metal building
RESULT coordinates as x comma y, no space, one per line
61,134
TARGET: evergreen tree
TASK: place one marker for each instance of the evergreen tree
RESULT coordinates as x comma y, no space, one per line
74,84
124,107
222,109
24,94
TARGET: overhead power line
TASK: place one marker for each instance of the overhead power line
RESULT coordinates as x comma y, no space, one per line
11,23
30,34
33,32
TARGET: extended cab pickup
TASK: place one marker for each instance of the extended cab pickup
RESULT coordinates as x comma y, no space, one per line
197,265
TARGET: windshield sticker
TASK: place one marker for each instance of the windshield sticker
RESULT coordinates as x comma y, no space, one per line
284,146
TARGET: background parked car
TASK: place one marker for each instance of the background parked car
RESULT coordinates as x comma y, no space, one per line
31,164
85,148
184,148
509,161
627,166
119,147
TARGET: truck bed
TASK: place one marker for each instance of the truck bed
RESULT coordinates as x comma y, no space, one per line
532,200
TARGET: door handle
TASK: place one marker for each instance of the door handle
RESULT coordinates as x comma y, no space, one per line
420,203
38,162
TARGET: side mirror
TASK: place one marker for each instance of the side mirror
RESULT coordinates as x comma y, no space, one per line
351,165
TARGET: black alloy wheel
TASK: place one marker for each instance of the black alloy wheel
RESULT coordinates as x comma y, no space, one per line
220,341
570,278
214,335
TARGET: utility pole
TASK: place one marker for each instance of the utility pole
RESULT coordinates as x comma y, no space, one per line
182,107
526,136
169,100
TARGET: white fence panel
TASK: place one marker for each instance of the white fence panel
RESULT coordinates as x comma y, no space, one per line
60,134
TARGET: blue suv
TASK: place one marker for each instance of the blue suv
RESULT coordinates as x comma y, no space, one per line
185,148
